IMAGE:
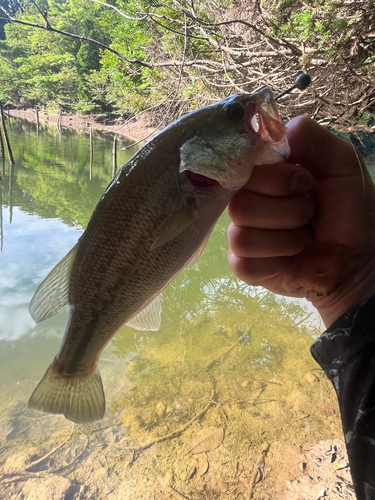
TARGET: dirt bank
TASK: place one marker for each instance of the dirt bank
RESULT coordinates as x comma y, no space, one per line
137,130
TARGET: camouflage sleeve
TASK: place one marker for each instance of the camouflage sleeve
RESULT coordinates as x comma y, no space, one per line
346,352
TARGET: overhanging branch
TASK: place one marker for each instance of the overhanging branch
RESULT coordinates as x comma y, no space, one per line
48,27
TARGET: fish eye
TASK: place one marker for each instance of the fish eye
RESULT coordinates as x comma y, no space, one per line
235,112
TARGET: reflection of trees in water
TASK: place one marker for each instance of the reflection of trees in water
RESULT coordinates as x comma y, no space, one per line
51,176
1,218
209,298
221,339
207,289
52,181
10,192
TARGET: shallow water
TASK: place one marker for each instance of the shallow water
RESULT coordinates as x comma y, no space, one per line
227,356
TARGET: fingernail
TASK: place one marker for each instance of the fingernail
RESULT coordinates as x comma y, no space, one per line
300,182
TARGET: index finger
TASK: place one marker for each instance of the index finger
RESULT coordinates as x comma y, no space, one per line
279,179
319,150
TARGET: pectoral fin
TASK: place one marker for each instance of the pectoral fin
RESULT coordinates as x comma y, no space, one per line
177,224
149,318
53,293
195,257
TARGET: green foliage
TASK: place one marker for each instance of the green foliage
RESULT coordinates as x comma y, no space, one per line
54,173
46,67
331,39
87,60
327,26
50,69
11,6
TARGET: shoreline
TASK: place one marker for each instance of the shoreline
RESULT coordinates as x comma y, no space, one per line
137,131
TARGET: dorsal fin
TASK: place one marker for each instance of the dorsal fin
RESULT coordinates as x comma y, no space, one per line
52,294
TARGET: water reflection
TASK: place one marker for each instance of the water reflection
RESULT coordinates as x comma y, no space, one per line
1,217
227,356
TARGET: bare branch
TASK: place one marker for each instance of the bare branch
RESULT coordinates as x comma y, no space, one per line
240,52
152,17
209,38
271,40
118,11
174,97
43,14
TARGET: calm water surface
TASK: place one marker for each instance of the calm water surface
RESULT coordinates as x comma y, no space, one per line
226,357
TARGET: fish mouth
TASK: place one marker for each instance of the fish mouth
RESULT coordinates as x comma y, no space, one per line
201,182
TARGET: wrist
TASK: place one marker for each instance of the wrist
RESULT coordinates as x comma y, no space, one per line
357,286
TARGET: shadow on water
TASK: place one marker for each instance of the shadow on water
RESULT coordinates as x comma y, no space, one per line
190,409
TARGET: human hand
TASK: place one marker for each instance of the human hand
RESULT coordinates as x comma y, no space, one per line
306,228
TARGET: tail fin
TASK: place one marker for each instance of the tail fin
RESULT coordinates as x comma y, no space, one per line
80,400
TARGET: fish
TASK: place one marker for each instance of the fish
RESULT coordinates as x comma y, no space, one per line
154,218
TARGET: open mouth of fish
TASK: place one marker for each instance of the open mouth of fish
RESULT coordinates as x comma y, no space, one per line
201,182
256,135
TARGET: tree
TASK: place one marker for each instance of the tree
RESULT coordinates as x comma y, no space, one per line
175,55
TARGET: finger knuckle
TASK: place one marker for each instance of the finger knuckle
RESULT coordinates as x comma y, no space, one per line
303,214
240,241
239,208
295,243
240,268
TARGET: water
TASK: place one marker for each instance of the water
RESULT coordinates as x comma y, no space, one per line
227,356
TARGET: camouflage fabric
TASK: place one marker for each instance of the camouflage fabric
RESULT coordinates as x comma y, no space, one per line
346,352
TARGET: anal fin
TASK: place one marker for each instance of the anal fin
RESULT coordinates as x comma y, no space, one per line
149,319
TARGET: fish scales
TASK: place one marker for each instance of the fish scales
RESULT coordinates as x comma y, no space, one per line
154,217
117,286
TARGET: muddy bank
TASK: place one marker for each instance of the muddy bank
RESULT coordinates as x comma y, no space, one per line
137,130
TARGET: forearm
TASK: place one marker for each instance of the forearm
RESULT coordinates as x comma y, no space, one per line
346,352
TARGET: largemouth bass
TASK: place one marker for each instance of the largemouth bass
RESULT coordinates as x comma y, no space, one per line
154,218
